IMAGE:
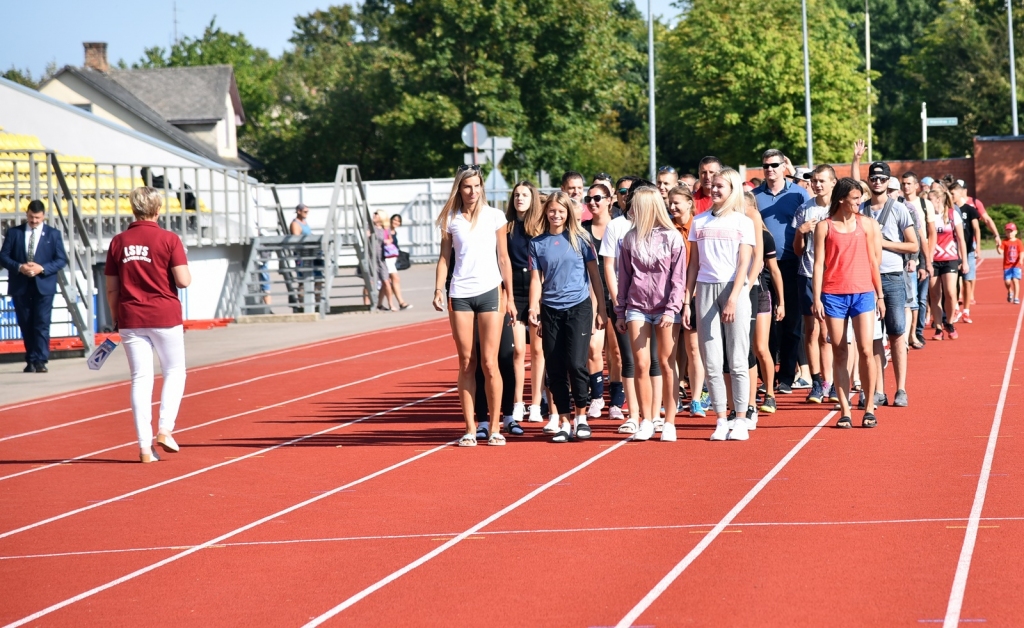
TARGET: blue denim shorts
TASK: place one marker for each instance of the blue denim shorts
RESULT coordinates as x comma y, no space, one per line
1012,273
848,305
637,315
894,291
972,265
910,281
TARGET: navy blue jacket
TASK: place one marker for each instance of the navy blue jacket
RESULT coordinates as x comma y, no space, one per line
50,255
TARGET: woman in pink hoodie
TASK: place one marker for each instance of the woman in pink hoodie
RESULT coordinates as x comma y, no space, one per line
651,271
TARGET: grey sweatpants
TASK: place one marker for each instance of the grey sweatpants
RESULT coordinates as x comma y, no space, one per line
711,300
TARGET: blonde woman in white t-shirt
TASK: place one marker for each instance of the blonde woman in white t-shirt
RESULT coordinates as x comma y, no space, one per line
473,238
716,278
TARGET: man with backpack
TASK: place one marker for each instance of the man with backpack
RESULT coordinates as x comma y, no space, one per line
923,207
899,240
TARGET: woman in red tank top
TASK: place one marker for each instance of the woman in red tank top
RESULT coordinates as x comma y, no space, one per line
950,250
848,248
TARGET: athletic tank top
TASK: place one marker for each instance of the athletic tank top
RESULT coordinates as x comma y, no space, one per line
946,249
847,266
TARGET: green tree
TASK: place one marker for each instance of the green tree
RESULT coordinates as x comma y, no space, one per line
731,82
21,77
254,70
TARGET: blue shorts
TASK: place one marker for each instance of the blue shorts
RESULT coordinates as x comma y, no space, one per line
1012,273
972,266
805,294
653,319
848,305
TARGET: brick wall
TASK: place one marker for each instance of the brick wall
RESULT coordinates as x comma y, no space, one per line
999,168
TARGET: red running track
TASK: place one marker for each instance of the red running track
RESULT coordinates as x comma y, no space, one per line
332,494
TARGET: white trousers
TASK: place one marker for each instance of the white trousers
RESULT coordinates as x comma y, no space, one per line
169,343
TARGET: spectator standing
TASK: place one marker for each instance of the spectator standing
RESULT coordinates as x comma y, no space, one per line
523,215
970,213
668,178
573,185
598,200
1011,263
32,253
706,170
899,239
146,266
950,251
913,198
778,200
396,282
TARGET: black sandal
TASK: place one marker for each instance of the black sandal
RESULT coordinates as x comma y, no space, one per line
844,423
869,420
514,428
483,432
561,437
583,431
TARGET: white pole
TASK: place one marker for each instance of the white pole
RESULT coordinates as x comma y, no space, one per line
924,129
807,91
867,63
1013,66
650,86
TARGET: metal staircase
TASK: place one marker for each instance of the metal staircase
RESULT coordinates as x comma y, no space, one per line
327,272
76,279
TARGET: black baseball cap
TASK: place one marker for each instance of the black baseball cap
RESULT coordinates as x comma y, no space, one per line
879,169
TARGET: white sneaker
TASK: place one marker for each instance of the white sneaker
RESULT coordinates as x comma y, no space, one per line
645,432
659,424
595,408
751,418
615,413
553,424
668,435
535,415
518,411
739,430
721,430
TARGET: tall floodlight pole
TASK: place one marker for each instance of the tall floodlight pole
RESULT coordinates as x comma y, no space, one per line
867,63
650,85
1013,66
807,91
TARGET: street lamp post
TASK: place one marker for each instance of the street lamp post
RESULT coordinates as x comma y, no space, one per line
867,63
807,91
1013,66
650,86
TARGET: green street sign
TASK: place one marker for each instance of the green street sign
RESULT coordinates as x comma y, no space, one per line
942,121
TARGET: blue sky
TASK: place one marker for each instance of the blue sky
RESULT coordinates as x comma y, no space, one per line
38,33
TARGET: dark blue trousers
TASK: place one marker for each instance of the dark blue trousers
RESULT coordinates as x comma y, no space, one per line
33,311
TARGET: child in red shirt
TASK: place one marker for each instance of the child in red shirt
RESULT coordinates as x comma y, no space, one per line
1012,250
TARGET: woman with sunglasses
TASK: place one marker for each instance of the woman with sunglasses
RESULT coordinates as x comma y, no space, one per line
716,281
563,267
524,224
847,285
477,235
598,201
652,264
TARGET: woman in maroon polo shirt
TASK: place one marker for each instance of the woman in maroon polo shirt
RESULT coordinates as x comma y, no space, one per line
146,265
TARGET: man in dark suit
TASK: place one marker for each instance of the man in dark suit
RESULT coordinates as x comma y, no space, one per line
32,253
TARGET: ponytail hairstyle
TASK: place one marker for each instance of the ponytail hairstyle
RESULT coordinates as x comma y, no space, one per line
944,198
649,212
531,221
572,224
733,202
839,193
454,204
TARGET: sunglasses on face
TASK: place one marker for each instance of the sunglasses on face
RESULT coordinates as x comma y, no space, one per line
878,179
597,198
623,190
465,167
772,165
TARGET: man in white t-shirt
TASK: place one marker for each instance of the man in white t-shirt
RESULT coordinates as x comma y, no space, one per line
926,213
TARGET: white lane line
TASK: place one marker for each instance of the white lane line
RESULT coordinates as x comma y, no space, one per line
963,566
235,532
687,560
208,423
217,365
438,535
226,386
231,461
458,539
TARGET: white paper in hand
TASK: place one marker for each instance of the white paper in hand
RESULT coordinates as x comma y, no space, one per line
101,353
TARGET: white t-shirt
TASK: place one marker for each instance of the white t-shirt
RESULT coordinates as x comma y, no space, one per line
476,253
616,230
718,241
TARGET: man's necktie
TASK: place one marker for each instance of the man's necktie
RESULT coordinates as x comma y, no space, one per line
31,253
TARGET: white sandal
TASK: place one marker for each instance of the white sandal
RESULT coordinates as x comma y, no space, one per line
496,440
467,440
629,427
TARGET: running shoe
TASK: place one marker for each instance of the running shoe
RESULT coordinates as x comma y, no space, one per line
769,405
645,432
535,415
751,418
966,317
679,405
697,409
739,430
784,389
1016,301
1009,297
938,334
801,384
669,433
594,412
951,331
956,316
615,413
817,394
833,396
900,399
705,398
518,411
721,430
659,424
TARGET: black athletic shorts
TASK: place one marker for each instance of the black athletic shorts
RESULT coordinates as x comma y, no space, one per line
486,302
946,268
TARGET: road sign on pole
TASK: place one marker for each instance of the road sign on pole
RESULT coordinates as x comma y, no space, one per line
942,121
474,135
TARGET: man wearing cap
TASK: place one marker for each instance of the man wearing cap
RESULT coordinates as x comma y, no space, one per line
898,240
802,177
777,200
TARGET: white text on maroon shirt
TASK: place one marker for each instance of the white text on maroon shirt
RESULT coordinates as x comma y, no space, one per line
136,253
